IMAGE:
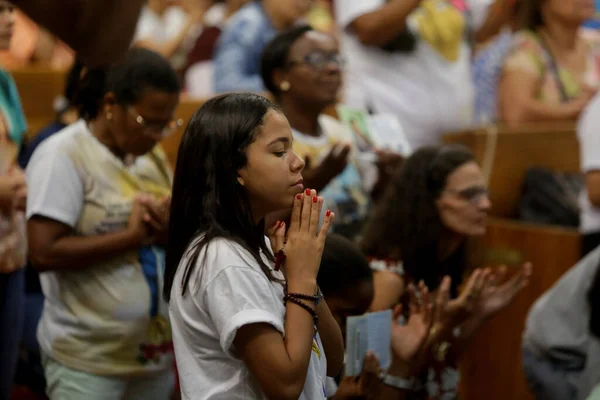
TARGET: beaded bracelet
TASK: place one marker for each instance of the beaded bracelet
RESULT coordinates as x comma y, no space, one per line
316,298
300,303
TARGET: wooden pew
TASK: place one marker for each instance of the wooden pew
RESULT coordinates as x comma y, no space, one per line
185,111
491,368
38,87
512,151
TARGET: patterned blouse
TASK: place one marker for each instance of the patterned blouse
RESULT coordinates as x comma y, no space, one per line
528,54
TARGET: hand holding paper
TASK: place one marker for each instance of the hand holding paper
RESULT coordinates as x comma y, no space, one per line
384,335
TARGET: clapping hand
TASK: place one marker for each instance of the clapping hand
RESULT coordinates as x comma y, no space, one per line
408,339
498,293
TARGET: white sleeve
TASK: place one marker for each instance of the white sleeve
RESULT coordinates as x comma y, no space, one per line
239,296
588,133
330,387
145,27
175,19
346,11
54,188
479,12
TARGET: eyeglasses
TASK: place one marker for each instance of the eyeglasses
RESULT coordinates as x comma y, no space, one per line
319,60
154,129
472,194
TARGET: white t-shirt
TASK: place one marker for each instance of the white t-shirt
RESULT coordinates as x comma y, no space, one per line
226,292
109,317
588,133
430,89
159,28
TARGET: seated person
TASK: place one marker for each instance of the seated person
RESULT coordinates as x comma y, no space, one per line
549,76
198,68
589,198
419,230
561,343
347,285
170,31
238,53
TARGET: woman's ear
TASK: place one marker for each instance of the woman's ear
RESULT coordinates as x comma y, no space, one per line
240,180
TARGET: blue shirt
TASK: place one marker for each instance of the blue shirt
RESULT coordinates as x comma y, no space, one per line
239,50
487,67
44,134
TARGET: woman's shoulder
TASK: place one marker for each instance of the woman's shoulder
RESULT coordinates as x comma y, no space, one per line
222,253
217,259
65,141
526,53
527,40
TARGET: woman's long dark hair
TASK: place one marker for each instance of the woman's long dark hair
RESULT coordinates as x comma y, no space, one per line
529,14
406,224
207,200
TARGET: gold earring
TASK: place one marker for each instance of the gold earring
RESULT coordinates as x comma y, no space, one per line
108,115
285,86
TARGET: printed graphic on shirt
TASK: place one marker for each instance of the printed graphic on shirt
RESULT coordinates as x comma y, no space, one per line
315,346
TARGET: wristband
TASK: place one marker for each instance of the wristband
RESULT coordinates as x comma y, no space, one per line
400,383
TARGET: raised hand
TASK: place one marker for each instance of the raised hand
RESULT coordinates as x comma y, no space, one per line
464,307
305,241
336,160
498,293
408,339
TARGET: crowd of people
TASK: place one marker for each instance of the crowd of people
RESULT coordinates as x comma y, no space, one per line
233,275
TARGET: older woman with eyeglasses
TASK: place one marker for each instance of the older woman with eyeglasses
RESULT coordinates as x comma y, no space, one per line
97,220
303,69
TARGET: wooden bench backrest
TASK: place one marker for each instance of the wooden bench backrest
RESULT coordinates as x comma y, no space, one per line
38,87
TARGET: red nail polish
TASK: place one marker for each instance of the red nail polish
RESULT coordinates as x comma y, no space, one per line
328,213
299,197
307,191
315,199
275,224
280,225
